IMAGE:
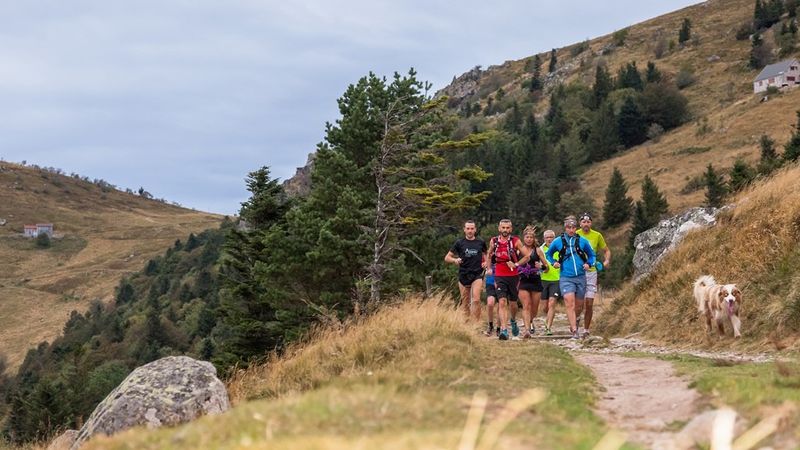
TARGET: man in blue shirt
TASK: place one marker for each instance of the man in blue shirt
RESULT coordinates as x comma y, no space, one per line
575,257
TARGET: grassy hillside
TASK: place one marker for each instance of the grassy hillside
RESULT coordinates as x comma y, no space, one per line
727,119
755,246
102,233
403,378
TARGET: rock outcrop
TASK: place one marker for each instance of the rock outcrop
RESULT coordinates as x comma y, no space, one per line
300,184
168,391
652,245
64,441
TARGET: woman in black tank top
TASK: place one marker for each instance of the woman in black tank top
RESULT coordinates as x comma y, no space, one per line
530,281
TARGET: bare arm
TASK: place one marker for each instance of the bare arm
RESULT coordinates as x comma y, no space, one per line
452,258
539,252
607,261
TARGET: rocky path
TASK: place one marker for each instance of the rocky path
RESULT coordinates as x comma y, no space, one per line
643,397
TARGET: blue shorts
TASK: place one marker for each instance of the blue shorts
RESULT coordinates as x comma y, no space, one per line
576,285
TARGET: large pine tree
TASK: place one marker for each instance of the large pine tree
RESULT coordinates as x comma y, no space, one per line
654,202
618,205
603,85
603,139
741,175
631,124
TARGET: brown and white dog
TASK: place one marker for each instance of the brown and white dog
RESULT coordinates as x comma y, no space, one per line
720,302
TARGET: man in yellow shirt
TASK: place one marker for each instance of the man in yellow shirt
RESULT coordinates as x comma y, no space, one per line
598,244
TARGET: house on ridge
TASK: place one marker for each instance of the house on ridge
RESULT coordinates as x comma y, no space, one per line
40,228
783,74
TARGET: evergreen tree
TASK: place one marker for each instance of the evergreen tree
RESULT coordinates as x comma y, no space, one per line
792,150
267,202
741,175
759,15
760,53
536,78
603,139
640,222
603,85
686,31
513,120
557,123
769,160
631,124
654,202
553,61
653,75
629,77
664,105
716,190
531,129
618,205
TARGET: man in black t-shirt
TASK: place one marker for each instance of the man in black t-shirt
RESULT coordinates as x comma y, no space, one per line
468,253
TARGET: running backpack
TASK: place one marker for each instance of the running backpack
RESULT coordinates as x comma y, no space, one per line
562,255
512,251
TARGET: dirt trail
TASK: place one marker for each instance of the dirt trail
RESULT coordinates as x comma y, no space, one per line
641,397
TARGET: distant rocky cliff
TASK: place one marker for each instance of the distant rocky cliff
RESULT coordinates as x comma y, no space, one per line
300,184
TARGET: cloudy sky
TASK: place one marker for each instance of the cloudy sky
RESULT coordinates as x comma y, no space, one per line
185,97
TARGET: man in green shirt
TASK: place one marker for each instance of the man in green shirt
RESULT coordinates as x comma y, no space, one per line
551,290
598,244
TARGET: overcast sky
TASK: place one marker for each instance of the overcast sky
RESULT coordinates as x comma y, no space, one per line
185,97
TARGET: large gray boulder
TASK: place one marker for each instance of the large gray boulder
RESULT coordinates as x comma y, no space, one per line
168,391
652,245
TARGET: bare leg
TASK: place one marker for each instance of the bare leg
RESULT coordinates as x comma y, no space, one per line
525,296
514,307
490,307
578,308
569,301
464,291
551,311
503,313
476,288
536,298
588,315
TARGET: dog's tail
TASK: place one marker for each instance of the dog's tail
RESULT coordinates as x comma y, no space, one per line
700,286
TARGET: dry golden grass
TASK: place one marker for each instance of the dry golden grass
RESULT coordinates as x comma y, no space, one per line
402,378
755,246
355,349
105,236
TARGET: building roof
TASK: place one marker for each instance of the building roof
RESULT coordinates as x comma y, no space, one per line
776,69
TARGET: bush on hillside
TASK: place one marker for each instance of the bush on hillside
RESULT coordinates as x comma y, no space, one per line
43,240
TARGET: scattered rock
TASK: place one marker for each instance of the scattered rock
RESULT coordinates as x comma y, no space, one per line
64,441
652,245
713,58
169,391
2,222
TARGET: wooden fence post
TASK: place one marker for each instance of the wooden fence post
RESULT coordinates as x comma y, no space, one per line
428,286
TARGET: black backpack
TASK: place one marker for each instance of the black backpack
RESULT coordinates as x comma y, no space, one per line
562,255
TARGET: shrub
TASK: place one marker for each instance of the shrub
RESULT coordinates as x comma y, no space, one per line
684,78
744,31
43,240
579,48
619,37
654,132
773,90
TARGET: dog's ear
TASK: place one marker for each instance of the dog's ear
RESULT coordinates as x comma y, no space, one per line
737,293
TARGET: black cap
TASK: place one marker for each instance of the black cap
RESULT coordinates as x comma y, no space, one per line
585,216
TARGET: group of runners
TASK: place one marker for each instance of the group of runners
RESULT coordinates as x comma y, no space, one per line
523,271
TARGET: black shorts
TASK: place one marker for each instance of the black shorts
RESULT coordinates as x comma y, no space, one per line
490,290
533,285
467,278
507,287
551,289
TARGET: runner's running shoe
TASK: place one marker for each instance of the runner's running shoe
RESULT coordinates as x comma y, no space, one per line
548,331
503,336
514,328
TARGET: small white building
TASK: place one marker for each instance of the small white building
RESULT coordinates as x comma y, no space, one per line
783,74
39,228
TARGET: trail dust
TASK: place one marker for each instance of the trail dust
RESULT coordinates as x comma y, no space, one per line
641,397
